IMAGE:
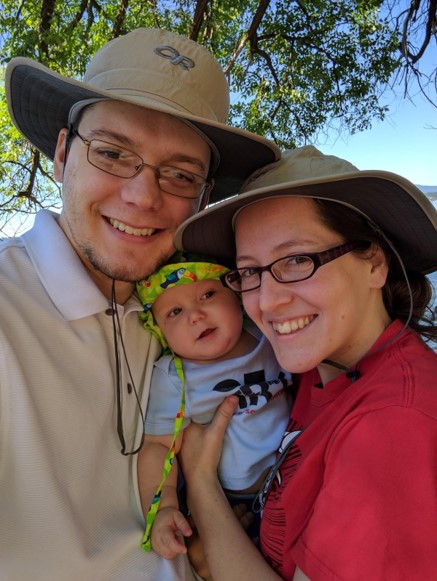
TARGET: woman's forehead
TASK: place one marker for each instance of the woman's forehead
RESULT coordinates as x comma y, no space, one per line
280,225
277,208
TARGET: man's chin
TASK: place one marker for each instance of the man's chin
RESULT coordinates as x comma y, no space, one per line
132,273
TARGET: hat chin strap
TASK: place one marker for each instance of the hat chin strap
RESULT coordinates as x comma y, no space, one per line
353,374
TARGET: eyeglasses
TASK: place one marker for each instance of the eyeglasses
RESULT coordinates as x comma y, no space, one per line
288,442
292,268
123,163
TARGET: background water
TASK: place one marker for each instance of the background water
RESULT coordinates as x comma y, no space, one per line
433,278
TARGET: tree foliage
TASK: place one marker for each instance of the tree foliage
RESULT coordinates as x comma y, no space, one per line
295,67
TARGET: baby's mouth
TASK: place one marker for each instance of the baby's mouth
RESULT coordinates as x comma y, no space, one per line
205,333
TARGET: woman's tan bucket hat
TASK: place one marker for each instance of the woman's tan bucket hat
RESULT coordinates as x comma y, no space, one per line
390,202
148,67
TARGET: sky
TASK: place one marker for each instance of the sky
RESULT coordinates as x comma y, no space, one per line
404,143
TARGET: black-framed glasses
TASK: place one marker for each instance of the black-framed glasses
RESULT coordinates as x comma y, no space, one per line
291,268
123,163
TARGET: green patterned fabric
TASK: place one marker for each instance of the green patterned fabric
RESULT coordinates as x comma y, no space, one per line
170,275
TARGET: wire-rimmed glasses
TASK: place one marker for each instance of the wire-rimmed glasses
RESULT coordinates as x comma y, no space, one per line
123,163
291,268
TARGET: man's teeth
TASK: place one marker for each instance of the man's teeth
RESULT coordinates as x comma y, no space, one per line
292,326
134,231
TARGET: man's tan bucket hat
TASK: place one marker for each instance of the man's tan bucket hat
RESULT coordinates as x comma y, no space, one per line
390,202
147,67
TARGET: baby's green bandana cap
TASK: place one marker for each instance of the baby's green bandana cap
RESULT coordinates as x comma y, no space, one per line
168,276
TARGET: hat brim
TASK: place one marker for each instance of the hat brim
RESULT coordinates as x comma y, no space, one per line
400,209
39,101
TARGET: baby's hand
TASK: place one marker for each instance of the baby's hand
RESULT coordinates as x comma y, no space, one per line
168,528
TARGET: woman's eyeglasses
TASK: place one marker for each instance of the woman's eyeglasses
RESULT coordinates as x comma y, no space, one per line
288,441
291,268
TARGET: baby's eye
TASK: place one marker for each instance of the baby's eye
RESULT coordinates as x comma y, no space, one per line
174,312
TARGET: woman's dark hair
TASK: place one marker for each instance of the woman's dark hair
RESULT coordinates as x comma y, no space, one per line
353,226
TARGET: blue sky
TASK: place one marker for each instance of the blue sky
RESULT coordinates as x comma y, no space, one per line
403,143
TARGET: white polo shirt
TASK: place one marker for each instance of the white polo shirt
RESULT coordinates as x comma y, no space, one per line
69,504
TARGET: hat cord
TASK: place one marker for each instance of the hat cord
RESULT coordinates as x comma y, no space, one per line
168,461
118,339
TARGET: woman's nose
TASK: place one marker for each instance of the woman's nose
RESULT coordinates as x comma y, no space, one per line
272,294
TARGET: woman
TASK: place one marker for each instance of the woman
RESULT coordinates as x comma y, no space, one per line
331,263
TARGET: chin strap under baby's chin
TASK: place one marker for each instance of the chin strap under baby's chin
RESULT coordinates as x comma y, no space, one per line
168,461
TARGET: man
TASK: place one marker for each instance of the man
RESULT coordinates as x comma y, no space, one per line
137,147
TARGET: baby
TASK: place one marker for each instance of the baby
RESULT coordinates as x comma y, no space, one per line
210,351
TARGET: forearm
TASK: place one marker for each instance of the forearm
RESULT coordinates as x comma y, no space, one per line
150,471
230,554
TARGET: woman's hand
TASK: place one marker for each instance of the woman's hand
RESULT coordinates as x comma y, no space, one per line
219,528
202,445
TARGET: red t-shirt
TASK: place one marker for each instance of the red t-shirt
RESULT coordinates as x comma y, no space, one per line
356,496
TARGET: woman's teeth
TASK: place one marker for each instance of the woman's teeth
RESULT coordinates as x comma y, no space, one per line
291,326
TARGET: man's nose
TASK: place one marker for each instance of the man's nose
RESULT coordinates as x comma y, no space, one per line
143,189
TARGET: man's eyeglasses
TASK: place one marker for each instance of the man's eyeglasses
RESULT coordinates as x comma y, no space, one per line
123,163
292,268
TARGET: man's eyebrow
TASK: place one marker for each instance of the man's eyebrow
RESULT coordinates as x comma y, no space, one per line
184,158
108,135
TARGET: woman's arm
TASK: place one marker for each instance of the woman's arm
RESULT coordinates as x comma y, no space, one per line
230,554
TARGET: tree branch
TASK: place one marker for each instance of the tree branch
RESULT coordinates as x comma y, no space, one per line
79,15
120,18
199,14
28,192
47,9
250,35
430,26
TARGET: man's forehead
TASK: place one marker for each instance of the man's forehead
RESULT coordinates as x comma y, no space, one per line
128,123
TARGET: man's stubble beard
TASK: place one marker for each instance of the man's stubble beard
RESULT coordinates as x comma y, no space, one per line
124,273
94,261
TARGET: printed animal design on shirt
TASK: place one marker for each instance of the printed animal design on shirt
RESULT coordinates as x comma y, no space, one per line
255,387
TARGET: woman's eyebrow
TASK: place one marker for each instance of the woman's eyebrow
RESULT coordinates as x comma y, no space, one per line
288,247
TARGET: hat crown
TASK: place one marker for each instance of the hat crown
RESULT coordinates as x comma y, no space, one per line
162,66
298,164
